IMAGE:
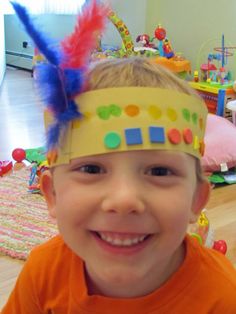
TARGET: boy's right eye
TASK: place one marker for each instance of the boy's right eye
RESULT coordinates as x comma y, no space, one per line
90,169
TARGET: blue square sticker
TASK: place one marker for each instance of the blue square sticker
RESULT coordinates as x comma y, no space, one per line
133,136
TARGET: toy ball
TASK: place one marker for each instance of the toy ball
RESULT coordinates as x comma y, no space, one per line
220,246
160,33
18,154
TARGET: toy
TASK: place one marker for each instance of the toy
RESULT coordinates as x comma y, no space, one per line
18,154
215,69
145,40
5,166
164,46
205,235
35,173
215,84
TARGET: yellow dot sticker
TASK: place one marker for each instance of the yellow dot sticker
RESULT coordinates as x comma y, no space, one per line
132,110
196,144
155,112
172,114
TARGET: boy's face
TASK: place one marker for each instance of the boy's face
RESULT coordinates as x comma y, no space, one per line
126,214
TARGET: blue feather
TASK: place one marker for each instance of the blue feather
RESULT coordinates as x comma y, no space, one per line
51,87
70,114
73,81
53,135
55,130
41,41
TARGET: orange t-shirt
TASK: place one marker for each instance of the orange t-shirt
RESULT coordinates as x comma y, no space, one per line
53,281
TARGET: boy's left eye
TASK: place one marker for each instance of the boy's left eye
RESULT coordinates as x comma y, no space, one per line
159,171
91,169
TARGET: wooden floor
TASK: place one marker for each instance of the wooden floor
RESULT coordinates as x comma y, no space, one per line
21,126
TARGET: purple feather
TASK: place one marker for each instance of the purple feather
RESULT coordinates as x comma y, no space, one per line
41,41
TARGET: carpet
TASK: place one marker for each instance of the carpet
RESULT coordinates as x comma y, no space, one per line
24,219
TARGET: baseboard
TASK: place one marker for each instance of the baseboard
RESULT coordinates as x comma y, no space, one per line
18,67
19,59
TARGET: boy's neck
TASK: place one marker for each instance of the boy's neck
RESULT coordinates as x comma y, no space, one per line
150,283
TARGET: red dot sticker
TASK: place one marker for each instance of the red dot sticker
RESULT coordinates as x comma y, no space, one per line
188,136
174,136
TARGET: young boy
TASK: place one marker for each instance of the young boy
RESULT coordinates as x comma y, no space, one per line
125,182
123,208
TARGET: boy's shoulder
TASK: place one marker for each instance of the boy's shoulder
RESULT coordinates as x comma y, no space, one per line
52,252
215,269
50,265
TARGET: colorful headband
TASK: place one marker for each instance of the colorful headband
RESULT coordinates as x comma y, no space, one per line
132,118
107,120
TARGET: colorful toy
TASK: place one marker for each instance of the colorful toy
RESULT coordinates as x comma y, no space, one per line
35,173
164,46
145,40
205,235
5,166
18,154
214,71
215,84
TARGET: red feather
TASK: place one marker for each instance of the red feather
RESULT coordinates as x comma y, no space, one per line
80,44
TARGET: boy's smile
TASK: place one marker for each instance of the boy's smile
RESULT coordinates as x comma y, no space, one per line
126,214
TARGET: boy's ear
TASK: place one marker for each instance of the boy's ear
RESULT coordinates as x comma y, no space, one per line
47,189
200,199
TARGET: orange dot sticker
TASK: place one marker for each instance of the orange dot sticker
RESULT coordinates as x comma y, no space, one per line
188,136
202,147
172,114
155,112
201,123
132,110
174,136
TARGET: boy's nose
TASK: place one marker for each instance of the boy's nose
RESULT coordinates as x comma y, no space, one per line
124,199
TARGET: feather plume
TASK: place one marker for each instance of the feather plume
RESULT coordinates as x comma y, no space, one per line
79,45
53,134
57,129
43,42
73,81
51,87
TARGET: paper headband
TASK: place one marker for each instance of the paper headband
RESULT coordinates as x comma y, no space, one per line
112,119
132,118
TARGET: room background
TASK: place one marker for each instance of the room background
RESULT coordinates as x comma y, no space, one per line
193,27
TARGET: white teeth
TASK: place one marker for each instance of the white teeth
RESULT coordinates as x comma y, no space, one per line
121,242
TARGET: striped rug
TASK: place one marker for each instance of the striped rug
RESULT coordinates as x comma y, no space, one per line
24,219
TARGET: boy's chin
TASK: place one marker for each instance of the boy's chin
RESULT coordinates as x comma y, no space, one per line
118,282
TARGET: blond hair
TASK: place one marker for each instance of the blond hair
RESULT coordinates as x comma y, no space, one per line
136,71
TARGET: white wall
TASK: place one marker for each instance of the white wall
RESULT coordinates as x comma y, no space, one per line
132,12
2,49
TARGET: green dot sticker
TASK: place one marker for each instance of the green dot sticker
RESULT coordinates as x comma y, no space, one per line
195,118
115,110
112,140
186,114
103,112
